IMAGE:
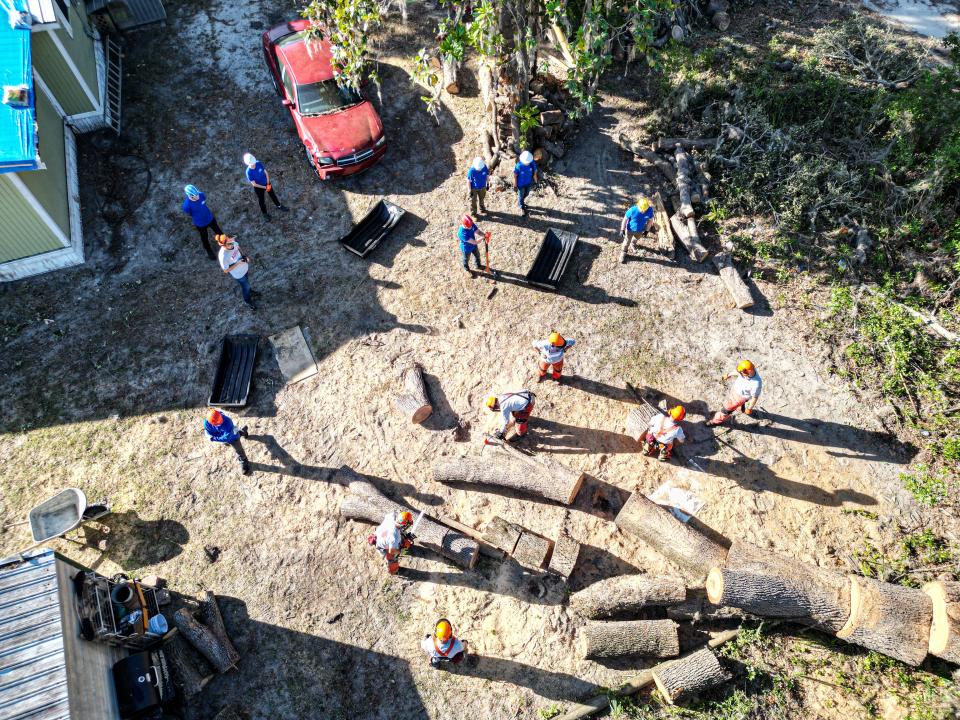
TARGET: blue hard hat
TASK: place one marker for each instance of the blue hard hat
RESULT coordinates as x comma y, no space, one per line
191,190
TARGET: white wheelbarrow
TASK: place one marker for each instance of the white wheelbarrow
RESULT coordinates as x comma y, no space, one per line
58,515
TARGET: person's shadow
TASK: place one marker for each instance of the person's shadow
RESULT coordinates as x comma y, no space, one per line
132,542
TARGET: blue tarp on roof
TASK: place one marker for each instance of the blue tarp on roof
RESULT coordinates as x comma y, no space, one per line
17,123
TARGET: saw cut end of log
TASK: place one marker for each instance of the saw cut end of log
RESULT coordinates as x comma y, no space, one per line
945,626
715,585
855,606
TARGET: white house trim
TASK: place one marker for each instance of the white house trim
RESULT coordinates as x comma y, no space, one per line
64,21
76,71
39,209
73,193
46,91
42,263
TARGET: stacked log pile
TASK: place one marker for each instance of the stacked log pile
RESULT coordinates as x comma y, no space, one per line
204,630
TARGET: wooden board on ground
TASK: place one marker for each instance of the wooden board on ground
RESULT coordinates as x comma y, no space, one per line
294,357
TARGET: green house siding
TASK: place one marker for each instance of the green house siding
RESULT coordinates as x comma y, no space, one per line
49,186
81,48
50,65
24,232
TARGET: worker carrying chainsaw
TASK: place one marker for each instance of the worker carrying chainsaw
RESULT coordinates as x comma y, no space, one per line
551,355
392,537
636,222
515,408
663,431
442,647
744,393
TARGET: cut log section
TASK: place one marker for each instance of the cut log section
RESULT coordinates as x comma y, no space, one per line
638,419
450,66
762,583
551,117
188,675
643,638
204,640
891,619
532,550
684,182
627,594
209,614
692,244
945,628
502,534
696,609
415,402
673,539
566,550
367,503
739,292
686,143
689,675
507,467
662,220
648,155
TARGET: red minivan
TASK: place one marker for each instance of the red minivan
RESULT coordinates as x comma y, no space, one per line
341,131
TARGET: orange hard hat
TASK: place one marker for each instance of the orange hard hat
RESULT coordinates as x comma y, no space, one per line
222,239
492,402
404,518
444,630
214,417
467,221
556,339
745,366
678,413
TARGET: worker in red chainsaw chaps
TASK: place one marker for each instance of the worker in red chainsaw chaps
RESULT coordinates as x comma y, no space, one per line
551,354
663,432
743,395
467,235
391,539
442,647
515,408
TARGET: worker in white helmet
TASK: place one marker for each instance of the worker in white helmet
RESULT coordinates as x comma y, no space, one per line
525,174
478,179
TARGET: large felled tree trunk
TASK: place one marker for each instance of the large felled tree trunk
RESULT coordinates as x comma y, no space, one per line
367,503
689,675
625,594
504,466
209,614
763,583
205,641
644,638
648,155
891,619
414,402
738,289
673,539
945,628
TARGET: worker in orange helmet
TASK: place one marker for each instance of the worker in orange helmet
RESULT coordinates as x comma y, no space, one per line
442,647
744,393
515,408
663,431
551,354
391,539
219,428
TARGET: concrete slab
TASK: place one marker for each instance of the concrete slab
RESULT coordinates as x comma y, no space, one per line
293,355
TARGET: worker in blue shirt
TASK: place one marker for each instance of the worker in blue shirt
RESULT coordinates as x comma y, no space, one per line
478,177
258,176
219,428
636,222
195,205
466,234
525,173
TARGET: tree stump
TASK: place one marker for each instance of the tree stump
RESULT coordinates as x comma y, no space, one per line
627,594
763,583
204,640
945,628
720,20
738,289
676,541
566,550
644,638
414,402
638,419
689,675
891,619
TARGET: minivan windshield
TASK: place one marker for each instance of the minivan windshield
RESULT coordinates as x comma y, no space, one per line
324,97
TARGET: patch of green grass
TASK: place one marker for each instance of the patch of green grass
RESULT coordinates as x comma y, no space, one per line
927,486
548,712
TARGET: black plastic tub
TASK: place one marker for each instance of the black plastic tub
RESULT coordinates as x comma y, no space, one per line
552,259
231,382
374,227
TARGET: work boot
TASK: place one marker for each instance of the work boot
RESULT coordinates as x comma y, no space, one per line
648,448
558,378
663,455
283,208
245,467
243,432
543,376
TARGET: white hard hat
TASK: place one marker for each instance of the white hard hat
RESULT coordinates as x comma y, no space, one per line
478,164
249,159
526,158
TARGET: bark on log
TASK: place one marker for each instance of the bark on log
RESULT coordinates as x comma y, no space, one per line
532,550
642,152
738,289
697,251
204,641
945,628
720,20
686,143
684,182
450,66
644,638
891,619
507,467
660,217
487,90
502,534
414,402
673,539
637,421
566,550
209,614
696,608
551,117
561,39
762,583
189,677
627,594
367,503
692,674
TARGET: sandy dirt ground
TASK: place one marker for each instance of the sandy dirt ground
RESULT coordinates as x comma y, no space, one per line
106,371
